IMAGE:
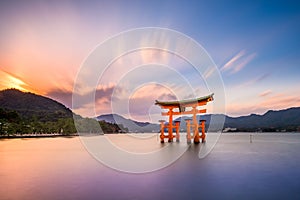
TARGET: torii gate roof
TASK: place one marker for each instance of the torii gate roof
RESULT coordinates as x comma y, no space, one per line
182,103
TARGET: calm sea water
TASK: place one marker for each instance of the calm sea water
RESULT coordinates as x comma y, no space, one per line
61,168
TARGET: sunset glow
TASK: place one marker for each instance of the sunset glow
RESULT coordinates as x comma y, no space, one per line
10,81
255,46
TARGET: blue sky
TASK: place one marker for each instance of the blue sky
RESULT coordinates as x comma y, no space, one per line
255,44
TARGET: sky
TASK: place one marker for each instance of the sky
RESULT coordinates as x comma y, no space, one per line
254,45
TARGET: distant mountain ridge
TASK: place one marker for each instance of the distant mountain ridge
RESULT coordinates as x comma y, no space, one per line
287,119
281,120
115,118
131,125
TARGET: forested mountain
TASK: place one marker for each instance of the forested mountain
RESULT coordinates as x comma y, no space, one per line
29,106
287,119
27,113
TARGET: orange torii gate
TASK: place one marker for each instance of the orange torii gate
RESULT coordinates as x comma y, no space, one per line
185,107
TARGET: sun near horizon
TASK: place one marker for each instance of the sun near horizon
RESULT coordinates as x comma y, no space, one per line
9,81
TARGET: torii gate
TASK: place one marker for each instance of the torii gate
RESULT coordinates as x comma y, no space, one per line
185,107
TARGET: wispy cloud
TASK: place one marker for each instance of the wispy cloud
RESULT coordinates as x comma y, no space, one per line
161,92
265,93
254,80
231,62
268,101
238,62
141,103
209,72
111,98
280,101
103,94
62,96
235,110
243,63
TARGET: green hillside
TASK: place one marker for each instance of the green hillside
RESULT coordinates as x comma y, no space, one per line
30,106
28,113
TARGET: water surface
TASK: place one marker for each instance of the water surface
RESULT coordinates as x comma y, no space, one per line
61,168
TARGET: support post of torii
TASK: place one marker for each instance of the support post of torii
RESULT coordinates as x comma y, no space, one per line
185,107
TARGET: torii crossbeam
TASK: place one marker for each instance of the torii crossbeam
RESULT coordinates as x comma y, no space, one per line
185,107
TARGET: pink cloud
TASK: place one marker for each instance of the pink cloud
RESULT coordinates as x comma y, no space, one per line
280,101
268,102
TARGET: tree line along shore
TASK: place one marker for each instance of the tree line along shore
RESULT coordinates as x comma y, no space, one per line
12,124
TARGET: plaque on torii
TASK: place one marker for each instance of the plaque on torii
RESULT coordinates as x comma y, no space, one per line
184,107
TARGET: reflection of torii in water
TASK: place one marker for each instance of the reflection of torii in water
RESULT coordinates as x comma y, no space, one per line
185,107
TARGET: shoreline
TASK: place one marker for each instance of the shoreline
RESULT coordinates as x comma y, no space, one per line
36,136
76,134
